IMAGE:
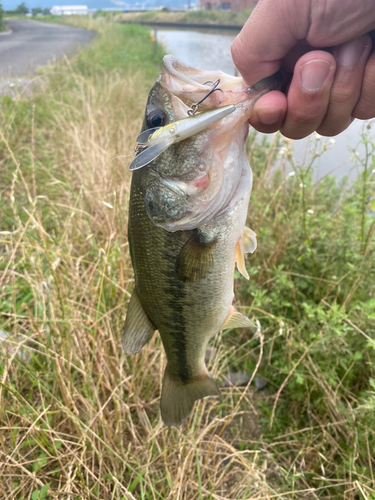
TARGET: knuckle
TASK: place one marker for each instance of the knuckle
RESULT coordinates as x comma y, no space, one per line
306,118
344,96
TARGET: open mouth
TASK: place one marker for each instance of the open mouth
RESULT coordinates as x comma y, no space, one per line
192,85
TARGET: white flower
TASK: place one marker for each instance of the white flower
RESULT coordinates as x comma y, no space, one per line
291,174
107,204
317,136
310,211
332,141
302,185
357,153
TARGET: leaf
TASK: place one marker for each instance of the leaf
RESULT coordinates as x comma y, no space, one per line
40,462
135,482
58,444
43,491
35,495
373,205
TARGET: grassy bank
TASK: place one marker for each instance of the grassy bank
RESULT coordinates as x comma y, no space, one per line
78,418
197,16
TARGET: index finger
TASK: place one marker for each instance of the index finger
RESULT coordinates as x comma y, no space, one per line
267,36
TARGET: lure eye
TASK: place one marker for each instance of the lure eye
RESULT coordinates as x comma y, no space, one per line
157,118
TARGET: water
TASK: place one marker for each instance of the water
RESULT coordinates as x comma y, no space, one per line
205,49
210,49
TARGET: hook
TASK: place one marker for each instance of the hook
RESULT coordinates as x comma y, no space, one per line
194,107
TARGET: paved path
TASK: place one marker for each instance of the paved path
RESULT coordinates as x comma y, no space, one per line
33,44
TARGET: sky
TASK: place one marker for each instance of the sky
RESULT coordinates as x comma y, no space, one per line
92,4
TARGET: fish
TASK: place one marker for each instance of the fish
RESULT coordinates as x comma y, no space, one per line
188,206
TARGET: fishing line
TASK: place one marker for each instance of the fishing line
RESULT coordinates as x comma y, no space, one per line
115,157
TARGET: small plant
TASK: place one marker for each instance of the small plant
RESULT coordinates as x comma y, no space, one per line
40,494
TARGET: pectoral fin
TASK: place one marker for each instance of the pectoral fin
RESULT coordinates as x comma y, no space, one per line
237,320
195,258
249,239
148,155
240,259
246,244
138,329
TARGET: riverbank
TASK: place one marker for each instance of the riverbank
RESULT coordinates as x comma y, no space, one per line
205,18
80,419
226,27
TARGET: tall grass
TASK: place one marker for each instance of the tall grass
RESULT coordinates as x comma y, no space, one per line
78,418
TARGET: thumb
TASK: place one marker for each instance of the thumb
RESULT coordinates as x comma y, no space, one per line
271,31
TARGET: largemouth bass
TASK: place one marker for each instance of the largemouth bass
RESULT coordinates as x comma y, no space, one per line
187,213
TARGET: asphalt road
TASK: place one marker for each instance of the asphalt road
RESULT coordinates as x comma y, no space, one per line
33,44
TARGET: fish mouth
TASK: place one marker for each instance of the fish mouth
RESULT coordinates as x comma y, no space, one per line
198,179
191,85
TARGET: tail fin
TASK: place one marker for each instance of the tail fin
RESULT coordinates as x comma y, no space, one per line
177,397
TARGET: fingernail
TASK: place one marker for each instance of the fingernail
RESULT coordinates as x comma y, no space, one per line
270,116
314,74
349,53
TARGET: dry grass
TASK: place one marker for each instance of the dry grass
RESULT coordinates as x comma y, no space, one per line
78,418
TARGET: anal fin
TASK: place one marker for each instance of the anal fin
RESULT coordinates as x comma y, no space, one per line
138,329
178,397
237,320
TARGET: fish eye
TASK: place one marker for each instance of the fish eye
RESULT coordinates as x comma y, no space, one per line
157,118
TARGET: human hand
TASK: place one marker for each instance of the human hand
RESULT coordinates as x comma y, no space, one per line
328,88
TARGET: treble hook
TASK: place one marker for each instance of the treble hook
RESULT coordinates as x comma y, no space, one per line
194,107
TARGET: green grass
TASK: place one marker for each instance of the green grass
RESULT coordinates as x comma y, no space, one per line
81,420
